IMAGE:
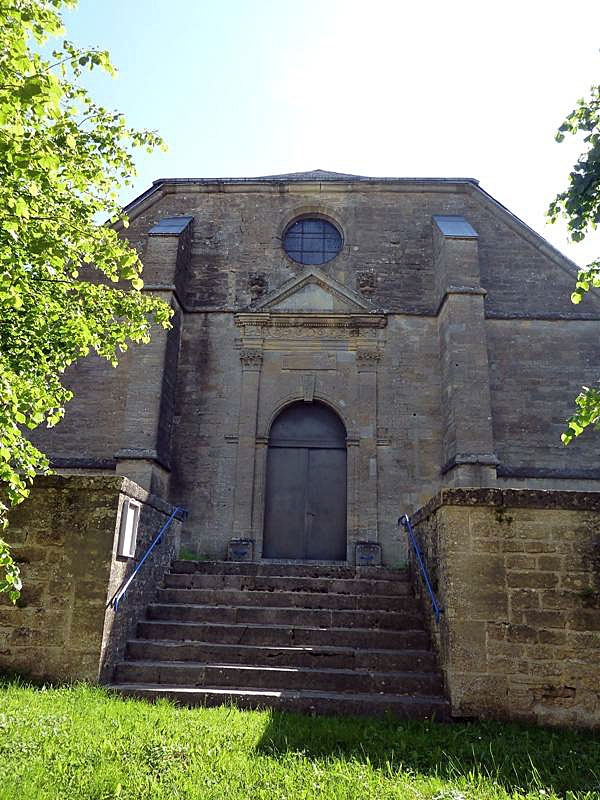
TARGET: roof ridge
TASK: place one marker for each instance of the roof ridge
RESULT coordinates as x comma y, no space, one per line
314,175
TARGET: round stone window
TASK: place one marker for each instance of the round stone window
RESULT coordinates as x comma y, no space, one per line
312,241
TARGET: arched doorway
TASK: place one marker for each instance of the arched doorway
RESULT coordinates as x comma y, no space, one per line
305,506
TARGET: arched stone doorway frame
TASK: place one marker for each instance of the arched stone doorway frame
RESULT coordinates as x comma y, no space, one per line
331,356
352,470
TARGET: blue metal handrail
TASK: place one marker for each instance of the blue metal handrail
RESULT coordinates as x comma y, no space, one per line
406,523
120,593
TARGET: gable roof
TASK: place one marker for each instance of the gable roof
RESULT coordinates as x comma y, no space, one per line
319,175
310,176
163,186
314,175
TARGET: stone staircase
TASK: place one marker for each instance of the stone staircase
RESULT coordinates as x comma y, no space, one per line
320,639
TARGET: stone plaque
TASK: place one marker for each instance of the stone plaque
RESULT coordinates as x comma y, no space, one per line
309,361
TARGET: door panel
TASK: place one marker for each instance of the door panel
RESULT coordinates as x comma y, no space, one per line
326,505
286,503
305,501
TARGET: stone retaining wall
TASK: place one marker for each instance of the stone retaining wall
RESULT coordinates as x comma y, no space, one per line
518,575
65,538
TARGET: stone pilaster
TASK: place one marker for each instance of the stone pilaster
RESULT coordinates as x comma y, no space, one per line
366,363
151,370
468,457
251,361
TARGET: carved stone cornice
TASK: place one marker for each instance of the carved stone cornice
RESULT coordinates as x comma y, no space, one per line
309,320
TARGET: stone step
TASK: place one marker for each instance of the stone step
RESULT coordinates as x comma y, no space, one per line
285,583
320,639
400,706
239,676
278,568
303,617
282,635
292,656
282,599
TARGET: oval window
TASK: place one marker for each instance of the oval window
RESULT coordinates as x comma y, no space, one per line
312,241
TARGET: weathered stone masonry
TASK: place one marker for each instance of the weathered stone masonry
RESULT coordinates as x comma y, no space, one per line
517,573
442,337
463,377
65,541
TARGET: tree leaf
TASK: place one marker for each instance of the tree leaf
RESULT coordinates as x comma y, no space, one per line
57,264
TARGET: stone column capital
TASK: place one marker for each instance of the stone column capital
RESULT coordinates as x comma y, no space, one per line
251,358
367,359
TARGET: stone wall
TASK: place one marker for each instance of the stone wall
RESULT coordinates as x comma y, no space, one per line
387,229
65,539
99,395
478,362
532,393
518,575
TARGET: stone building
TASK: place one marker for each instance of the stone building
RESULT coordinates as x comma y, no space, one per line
342,348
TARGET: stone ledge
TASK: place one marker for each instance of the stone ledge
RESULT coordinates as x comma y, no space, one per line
478,459
510,498
83,462
141,454
506,471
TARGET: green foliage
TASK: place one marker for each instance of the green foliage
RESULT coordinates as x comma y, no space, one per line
62,160
81,743
579,204
10,578
588,413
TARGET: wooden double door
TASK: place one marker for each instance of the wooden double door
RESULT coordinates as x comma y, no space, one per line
305,507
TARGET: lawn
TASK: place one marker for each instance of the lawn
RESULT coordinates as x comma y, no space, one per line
76,743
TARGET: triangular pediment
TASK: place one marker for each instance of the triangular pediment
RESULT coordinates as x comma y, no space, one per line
316,292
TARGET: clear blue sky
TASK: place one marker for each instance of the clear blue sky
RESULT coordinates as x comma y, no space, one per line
385,87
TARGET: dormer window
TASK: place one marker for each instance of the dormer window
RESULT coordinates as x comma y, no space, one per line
311,240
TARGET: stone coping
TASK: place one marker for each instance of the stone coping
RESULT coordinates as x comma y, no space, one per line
509,498
115,483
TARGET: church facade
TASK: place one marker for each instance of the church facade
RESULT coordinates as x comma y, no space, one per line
342,348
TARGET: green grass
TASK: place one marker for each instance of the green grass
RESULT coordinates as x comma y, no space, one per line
81,743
